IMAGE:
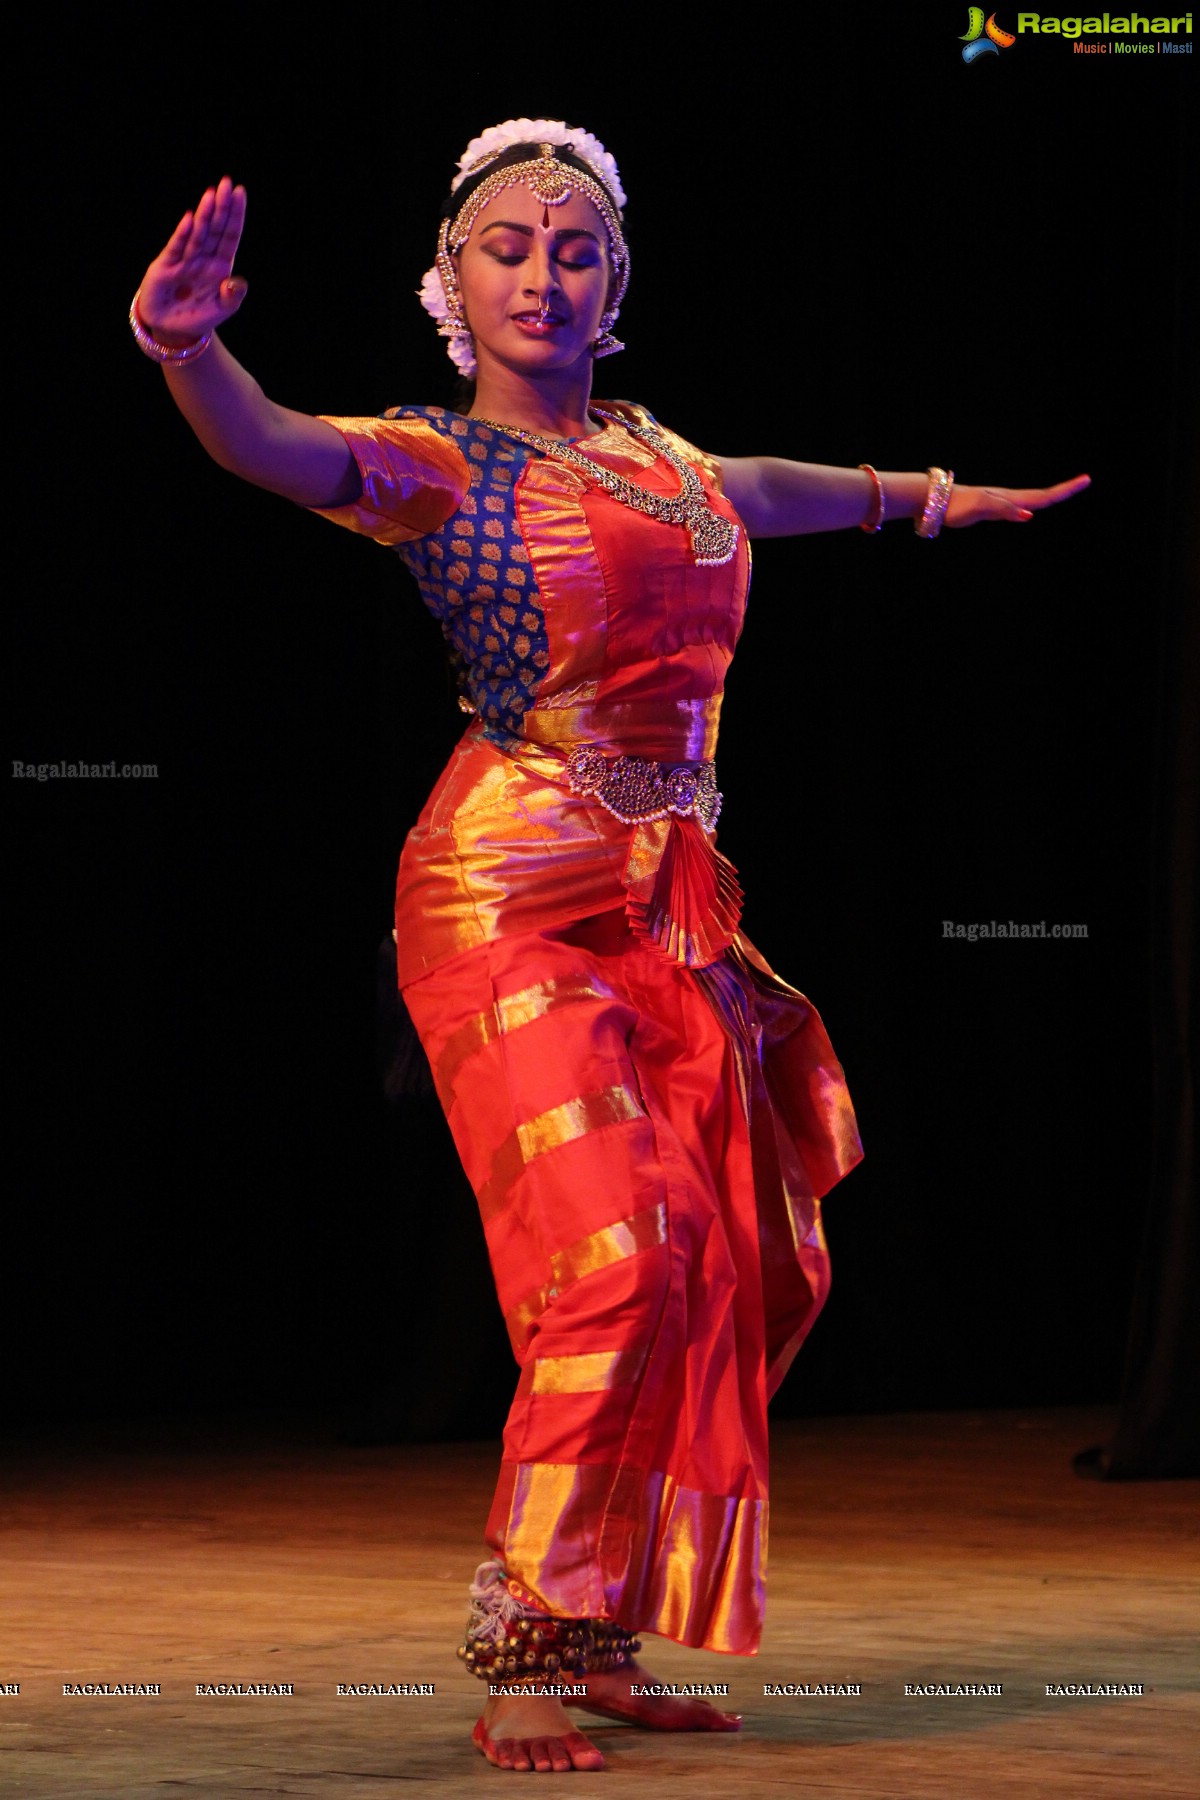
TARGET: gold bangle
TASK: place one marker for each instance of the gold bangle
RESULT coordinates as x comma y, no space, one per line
874,518
936,502
149,345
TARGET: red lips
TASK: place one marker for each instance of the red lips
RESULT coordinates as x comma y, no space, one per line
539,319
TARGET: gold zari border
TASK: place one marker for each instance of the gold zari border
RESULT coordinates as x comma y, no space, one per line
558,1125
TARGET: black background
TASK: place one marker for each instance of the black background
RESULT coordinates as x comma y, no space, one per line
846,245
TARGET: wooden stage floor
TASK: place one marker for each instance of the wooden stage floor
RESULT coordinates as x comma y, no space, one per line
949,1549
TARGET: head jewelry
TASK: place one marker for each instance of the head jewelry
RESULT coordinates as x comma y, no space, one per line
552,179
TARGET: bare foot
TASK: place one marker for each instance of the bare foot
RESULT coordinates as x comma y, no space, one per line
532,1731
609,1694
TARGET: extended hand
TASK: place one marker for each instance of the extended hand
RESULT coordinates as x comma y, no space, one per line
972,505
190,285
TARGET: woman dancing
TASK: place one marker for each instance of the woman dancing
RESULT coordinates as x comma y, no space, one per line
649,1116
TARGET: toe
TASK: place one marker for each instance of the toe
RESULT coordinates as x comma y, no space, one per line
510,1753
541,1753
583,1755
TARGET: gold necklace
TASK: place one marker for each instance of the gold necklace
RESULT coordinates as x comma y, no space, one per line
714,539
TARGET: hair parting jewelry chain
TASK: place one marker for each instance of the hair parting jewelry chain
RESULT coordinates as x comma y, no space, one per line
714,538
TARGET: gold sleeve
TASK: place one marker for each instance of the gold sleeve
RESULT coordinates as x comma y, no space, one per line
412,479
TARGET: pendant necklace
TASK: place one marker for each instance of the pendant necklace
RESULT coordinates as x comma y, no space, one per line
714,539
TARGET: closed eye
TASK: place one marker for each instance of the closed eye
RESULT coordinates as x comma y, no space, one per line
564,262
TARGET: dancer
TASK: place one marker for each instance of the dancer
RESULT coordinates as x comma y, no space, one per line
648,1114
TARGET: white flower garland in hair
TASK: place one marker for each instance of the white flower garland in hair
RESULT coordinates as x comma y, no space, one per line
432,295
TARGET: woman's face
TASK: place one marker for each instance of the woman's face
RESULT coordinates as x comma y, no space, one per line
535,280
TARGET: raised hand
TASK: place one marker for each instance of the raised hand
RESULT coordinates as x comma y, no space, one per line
973,505
190,286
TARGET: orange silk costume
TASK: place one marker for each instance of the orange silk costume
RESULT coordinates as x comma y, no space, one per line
648,1140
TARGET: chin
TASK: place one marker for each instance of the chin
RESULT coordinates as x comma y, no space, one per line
536,358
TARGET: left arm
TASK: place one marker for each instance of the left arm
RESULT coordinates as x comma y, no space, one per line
778,498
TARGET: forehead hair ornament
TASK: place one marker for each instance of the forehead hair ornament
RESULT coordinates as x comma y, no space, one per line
551,181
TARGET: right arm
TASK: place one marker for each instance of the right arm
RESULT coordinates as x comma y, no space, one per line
190,289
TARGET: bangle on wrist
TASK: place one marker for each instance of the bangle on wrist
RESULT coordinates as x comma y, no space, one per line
874,518
149,345
936,502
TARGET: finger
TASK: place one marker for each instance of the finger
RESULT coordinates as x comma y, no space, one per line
1064,490
1006,504
202,226
1037,498
175,245
231,294
220,212
231,228
216,222
202,213
223,207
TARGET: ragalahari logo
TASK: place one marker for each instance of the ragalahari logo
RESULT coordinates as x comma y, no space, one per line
984,39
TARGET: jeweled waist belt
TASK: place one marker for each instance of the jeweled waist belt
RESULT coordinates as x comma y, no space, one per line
636,789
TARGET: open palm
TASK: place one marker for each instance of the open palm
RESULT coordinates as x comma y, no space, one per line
190,286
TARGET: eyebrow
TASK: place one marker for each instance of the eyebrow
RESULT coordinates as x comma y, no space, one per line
527,230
